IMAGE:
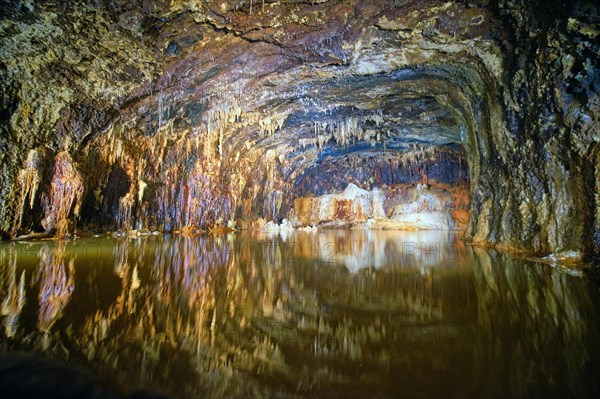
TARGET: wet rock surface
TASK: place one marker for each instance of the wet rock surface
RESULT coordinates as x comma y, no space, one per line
186,115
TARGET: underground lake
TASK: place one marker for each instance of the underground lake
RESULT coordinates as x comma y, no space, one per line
299,199
305,314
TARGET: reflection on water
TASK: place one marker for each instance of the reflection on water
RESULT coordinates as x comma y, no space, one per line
15,295
55,287
326,314
358,249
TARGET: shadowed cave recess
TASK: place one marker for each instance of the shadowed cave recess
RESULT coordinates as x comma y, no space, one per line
201,115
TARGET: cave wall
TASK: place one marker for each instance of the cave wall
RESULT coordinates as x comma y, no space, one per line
185,114
545,156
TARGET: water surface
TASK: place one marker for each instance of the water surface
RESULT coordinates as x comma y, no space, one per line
304,314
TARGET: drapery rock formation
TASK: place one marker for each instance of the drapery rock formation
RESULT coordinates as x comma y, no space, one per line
182,115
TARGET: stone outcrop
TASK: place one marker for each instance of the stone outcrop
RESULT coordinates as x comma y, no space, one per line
418,207
351,205
184,115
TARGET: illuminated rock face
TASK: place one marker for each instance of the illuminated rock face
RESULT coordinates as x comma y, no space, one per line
403,208
186,115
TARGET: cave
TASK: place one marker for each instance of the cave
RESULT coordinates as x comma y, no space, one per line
291,198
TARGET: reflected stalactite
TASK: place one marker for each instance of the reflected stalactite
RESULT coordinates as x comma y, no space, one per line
13,302
359,249
57,283
128,273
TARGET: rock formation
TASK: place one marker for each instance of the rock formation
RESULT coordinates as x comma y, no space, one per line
185,114
402,208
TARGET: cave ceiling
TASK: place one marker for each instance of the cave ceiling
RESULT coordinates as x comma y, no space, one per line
403,74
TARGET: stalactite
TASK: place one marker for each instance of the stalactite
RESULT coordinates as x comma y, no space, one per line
160,111
272,123
65,197
29,180
133,167
346,131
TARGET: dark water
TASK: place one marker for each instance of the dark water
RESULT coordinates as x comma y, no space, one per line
327,314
